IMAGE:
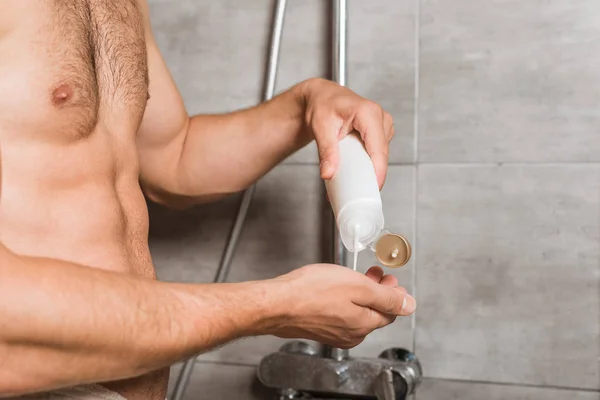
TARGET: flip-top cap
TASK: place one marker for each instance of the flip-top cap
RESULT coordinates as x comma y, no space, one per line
393,250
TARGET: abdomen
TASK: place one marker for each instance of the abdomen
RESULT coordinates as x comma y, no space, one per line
80,203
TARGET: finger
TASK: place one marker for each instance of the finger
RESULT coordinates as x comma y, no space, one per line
375,274
388,126
388,300
369,123
389,280
400,288
349,344
326,135
385,320
380,320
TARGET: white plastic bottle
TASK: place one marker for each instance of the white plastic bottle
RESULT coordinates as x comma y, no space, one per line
356,201
354,195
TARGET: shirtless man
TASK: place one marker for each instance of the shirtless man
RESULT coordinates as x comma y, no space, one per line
89,121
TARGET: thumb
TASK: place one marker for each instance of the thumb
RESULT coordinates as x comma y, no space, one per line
391,301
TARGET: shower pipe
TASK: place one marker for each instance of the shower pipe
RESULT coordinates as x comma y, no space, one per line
338,74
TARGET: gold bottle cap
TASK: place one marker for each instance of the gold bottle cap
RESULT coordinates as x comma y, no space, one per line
393,250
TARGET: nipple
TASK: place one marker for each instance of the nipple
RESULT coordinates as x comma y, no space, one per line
393,250
61,95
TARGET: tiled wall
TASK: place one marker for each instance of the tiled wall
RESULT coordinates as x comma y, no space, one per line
494,177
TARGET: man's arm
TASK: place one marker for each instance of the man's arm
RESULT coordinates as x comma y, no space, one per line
210,156
63,324
194,159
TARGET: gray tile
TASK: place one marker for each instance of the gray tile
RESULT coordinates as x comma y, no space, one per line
175,371
304,54
509,80
398,200
220,382
186,246
215,50
433,389
381,65
508,274
284,228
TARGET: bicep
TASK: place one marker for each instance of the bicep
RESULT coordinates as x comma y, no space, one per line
164,124
165,113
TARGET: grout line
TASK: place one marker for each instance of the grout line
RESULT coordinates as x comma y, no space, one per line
416,168
517,385
417,56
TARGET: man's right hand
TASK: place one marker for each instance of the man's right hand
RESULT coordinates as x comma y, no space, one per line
337,306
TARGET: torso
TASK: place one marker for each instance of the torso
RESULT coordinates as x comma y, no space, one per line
73,89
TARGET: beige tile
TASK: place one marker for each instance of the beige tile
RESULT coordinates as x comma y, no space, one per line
508,274
509,80
433,389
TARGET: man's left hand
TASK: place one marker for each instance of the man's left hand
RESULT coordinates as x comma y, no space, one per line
333,111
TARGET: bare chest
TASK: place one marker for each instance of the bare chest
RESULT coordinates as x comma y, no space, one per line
78,63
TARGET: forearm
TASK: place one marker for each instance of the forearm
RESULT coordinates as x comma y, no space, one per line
224,154
241,147
63,324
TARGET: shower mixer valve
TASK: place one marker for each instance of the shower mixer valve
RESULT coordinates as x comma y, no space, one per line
306,371
300,371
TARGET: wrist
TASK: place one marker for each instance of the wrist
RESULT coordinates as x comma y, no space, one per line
299,94
268,307
307,87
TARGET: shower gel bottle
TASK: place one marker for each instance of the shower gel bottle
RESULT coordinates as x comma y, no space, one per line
356,201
